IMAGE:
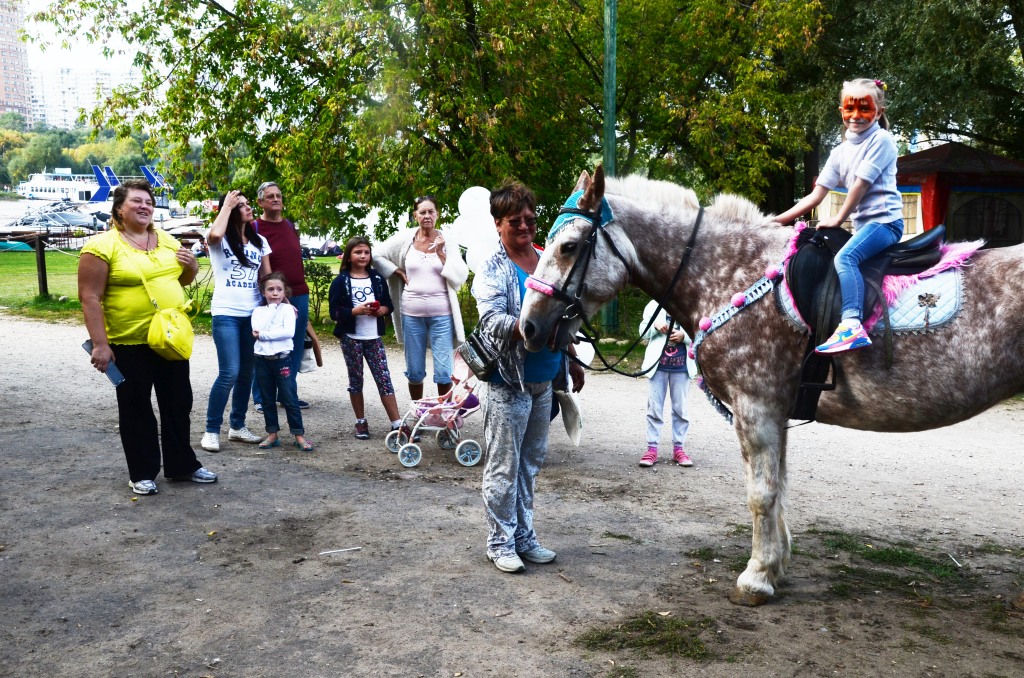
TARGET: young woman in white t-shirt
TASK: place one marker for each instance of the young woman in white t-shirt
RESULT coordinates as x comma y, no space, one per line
238,257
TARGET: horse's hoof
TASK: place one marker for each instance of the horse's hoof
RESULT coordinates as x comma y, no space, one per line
738,596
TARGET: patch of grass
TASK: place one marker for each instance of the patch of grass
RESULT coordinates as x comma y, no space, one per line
650,631
931,633
738,529
898,557
738,563
19,281
624,672
990,547
703,553
621,537
1000,620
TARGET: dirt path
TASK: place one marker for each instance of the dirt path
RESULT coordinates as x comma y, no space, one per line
228,580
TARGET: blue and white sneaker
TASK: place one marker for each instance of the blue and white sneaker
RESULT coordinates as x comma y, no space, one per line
847,337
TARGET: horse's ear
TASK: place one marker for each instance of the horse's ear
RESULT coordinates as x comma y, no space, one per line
591,200
582,182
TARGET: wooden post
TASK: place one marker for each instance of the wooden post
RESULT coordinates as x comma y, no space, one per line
44,290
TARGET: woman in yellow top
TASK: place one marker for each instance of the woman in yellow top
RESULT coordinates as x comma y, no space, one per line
118,313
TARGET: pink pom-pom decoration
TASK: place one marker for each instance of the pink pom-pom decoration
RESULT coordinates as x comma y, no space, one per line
691,354
705,323
739,299
800,225
772,272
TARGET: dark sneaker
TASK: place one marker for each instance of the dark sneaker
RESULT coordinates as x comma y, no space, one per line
258,407
362,430
303,405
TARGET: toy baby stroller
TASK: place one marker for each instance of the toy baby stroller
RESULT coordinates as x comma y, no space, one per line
444,416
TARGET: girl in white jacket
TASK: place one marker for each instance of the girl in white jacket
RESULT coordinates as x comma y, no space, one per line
666,347
273,327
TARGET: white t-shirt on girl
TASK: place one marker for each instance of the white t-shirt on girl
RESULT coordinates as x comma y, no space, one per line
236,289
366,325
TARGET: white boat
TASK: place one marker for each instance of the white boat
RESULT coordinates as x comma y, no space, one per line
61,184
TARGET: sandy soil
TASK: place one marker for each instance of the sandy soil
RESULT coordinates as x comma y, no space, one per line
230,580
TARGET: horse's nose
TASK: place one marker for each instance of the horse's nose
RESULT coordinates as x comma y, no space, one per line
528,329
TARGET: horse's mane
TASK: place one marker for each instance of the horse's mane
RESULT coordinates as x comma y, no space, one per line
673,197
642,190
735,208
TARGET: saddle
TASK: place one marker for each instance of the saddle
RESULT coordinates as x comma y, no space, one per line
814,285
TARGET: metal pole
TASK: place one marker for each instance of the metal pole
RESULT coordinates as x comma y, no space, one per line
610,314
44,290
610,18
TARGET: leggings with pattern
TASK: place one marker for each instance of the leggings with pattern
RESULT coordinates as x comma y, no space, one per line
372,350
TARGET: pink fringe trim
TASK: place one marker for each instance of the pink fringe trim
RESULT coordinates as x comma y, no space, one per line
954,255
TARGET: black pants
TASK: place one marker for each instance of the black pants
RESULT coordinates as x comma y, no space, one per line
143,370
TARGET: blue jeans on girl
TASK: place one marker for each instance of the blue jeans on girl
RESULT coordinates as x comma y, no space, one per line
277,383
232,336
867,242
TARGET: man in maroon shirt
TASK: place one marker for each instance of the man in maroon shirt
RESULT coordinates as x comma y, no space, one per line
286,257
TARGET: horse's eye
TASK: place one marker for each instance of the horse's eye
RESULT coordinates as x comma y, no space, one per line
568,248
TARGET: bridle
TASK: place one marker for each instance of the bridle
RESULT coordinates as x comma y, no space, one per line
574,301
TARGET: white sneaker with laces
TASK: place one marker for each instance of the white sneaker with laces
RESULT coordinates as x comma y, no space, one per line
244,435
211,442
538,554
509,564
143,487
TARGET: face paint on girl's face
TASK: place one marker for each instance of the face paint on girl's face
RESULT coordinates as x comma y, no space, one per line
862,107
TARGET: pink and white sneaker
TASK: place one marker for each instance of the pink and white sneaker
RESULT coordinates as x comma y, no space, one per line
680,457
651,457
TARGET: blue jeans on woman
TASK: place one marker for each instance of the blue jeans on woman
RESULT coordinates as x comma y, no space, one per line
868,241
232,335
415,333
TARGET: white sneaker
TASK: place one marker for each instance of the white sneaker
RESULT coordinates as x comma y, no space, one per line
509,564
143,487
211,442
244,435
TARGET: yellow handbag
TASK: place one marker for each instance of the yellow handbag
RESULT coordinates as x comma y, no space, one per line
170,332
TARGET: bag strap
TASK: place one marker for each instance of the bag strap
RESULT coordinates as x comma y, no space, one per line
145,283
138,269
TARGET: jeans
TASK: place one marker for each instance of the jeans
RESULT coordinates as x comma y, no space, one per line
516,425
677,384
416,331
868,241
232,335
143,442
301,304
277,382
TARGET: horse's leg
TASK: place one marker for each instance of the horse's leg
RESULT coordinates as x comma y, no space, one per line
762,441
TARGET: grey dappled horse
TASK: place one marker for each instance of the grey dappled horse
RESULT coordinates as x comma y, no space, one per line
752,362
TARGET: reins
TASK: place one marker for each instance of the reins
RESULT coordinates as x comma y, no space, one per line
574,305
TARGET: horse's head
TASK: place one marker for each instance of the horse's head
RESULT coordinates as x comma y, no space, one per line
571,282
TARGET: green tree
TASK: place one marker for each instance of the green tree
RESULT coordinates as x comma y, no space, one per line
12,121
41,151
373,102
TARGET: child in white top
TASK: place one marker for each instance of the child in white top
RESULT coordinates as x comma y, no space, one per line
666,347
359,302
864,164
273,327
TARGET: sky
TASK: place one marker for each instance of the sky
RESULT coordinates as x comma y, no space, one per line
82,55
